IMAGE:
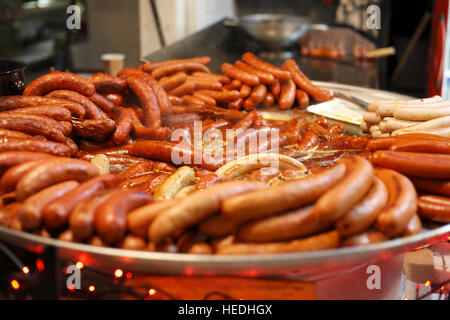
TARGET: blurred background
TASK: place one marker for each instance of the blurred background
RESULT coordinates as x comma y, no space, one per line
35,32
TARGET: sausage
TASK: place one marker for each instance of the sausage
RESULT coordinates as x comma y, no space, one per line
184,89
173,81
205,84
14,102
52,111
132,242
256,62
171,152
345,143
401,205
246,122
165,105
434,208
286,226
207,180
205,98
143,167
322,241
221,124
188,99
176,101
264,174
56,214
245,91
198,206
15,134
224,96
275,88
107,83
302,98
358,178
33,125
35,146
150,66
364,239
236,105
30,212
308,141
181,178
365,213
337,129
283,197
51,172
235,84
224,80
200,248
142,132
423,165
123,127
92,111
13,158
436,186
97,129
239,74
287,95
414,226
103,103
218,226
10,178
8,213
217,112
257,96
423,146
167,69
304,83
269,100
264,77
148,101
110,218
81,220
115,98
59,80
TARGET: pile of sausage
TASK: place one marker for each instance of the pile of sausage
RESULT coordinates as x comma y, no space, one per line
425,159
397,117
90,160
247,84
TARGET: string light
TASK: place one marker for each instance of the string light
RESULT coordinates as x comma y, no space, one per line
26,270
442,288
40,265
118,273
152,292
79,265
128,275
15,284
91,288
427,283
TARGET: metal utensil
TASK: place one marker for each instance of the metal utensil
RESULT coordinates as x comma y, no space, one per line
273,30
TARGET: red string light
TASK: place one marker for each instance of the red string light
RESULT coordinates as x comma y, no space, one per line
79,265
40,265
26,270
427,283
118,273
91,288
128,275
152,292
15,284
442,288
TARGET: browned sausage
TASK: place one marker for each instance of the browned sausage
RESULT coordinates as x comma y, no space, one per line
30,212
59,80
92,111
111,217
51,172
56,214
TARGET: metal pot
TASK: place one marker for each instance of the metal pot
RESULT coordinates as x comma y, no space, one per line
275,31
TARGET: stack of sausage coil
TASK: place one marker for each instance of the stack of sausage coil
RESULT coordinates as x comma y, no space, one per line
425,158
